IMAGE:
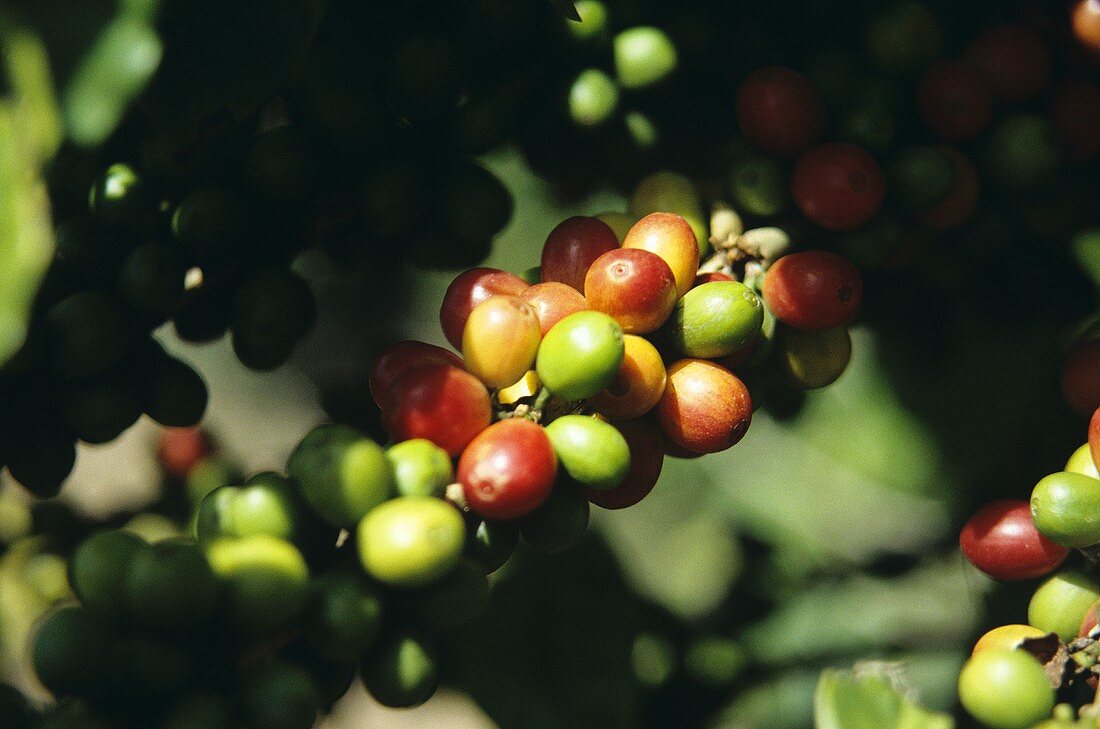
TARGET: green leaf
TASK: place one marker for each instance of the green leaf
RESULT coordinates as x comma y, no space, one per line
688,567
937,603
29,134
844,701
119,65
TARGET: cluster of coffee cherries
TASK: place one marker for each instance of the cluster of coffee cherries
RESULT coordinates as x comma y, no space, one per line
1004,684
357,556
608,355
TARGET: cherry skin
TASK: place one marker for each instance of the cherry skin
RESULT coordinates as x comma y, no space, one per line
705,408
1014,59
955,101
638,385
1085,19
960,202
500,340
1002,541
440,403
467,291
646,444
1081,377
572,246
670,237
711,277
400,357
633,286
780,111
838,186
508,470
813,290
1074,112
552,302
181,448
1094,437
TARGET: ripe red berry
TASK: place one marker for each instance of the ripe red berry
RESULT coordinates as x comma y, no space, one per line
572,246
1001,540
181,448
400,357
1081,377
508,470
838,186
1094,437
1085,19
439,402
780,111
467,291
1074,111
955,101
813,290
553,301
705,408
634,287
1014,59
961,200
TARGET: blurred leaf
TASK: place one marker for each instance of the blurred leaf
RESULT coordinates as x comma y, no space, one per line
673,548
118,66
29,134
103,52
558,633
843,701
782,703
939,603
853,477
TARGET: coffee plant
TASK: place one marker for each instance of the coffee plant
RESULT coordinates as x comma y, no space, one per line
745,313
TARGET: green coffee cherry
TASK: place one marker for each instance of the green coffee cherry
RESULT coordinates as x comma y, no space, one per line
346,614
592,452
759,186
1022,153
1005,689
1081,462
266,579
580,355
342,473
279,695
169,586
593,98
920,177
1060,603
809,360
69,651
411,541
265,504
98,569
594,22
716,319
1066,509
404,670
643,57
420,467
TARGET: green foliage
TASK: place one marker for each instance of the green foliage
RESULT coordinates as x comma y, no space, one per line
844,701
30,133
